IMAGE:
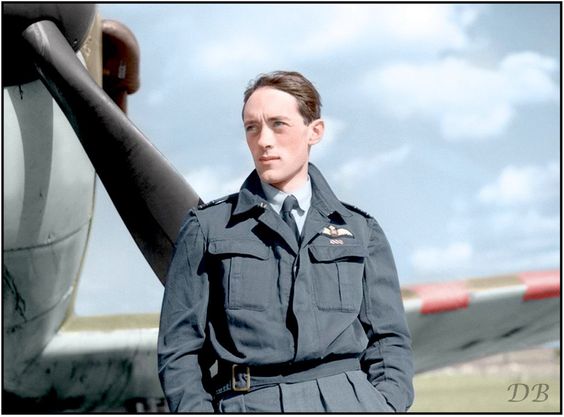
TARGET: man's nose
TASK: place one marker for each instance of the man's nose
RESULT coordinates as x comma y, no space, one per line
266,137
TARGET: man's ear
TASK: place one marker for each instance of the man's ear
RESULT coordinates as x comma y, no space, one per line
317,128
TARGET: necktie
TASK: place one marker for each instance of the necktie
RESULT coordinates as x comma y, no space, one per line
290,203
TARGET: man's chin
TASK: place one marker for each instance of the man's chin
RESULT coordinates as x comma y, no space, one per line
268,176
282,182
273,181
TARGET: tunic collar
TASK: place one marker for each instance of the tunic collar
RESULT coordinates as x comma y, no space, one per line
276,197
322,197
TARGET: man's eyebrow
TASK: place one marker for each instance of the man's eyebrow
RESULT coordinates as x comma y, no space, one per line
249,119
252,119
278,118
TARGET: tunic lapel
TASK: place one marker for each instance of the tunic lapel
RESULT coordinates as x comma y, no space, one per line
274,222
315,221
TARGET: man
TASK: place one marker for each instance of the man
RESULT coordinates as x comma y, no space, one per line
297,298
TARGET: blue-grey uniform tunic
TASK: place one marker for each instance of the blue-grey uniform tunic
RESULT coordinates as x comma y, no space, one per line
241,289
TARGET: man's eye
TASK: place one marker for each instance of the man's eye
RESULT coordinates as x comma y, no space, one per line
278,123
250,128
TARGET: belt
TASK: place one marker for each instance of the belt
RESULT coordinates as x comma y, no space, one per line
244,378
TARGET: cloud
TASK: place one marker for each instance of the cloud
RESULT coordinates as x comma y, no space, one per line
156,98
524,223
501,260
463,260
215,182
417,28
528,73
323,31
508,225
362,167
522,185
245,53
428,261
467,101
514,222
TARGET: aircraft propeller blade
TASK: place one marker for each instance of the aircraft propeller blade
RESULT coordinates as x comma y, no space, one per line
151,197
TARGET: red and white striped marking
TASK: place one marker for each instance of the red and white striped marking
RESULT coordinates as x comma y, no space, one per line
439,297
454,295
545,284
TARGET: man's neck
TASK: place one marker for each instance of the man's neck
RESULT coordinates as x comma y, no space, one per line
275,196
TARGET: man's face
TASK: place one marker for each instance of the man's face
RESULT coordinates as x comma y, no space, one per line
278,138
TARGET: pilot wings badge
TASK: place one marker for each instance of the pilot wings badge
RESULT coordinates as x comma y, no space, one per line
333,232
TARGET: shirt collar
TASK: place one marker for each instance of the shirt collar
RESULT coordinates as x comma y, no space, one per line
252,194
276,197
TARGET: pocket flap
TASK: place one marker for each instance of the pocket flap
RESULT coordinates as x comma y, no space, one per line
243,247
328,253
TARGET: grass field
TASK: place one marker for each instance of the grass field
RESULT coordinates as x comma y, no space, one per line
438,392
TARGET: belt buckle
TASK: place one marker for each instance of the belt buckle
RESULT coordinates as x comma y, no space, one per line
234,386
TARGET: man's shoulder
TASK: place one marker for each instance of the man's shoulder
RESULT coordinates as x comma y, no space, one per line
214,211
212,214
371,222
218,202
357,210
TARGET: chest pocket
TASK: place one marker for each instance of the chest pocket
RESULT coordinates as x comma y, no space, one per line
246,273
337,276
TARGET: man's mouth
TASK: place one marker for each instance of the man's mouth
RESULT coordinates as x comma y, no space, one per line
268,158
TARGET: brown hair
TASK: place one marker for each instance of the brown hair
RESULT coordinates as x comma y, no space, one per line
293,83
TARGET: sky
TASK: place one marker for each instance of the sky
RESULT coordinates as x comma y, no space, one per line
442,122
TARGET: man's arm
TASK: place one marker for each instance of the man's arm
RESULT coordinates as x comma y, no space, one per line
387,360
182,329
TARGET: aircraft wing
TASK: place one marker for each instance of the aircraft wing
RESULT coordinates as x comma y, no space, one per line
458,321
103,363
109,363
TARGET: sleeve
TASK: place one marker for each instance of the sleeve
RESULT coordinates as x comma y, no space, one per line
387,359
182,330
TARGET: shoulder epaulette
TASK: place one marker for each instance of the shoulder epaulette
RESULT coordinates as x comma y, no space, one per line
356,210
216,202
